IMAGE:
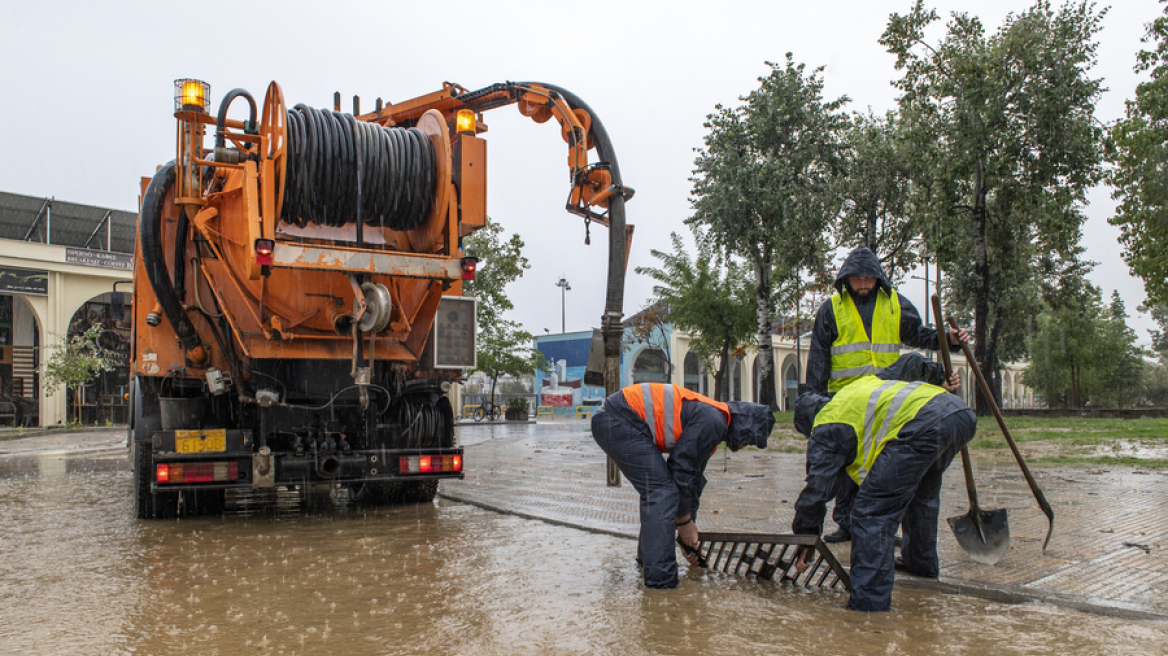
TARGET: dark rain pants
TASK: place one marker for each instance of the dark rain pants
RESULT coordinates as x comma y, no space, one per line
903,488
845,496
642,464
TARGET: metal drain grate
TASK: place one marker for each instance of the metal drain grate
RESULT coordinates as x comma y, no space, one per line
767,555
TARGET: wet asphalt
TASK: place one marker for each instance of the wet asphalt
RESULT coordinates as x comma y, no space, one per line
1107,553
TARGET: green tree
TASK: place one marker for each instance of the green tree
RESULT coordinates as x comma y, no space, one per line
75,361
1141,155
1159,337
712,304
877,192
503,346
1123,369
762,186
1016,147
1083,352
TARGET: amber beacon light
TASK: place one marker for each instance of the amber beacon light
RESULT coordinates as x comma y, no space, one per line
191,94
464,122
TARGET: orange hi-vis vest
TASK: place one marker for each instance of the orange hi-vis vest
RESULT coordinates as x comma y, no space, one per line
662,402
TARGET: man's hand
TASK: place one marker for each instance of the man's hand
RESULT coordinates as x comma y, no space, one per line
958,336
689,535
953,384
803,558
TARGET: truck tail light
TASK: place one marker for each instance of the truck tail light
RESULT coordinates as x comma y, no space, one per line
197,472
263,250
430,464
469,265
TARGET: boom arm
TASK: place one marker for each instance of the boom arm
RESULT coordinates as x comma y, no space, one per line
597,185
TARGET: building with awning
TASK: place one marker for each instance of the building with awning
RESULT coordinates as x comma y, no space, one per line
59,262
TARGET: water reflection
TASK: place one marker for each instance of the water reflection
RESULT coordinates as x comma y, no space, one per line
79,576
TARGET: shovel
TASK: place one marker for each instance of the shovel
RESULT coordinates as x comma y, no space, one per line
983,534
989,397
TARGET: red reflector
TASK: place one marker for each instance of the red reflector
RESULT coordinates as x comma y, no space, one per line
469,265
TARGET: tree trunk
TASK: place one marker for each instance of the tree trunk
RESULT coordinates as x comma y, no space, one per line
994,380
870,237
981,275
1076,395
720,375
766,354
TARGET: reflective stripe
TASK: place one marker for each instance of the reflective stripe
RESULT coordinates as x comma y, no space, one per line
650,415
886,348
854,371
851,348
670,432
869,417
659,405
894,408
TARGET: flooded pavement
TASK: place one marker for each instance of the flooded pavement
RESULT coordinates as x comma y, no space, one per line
79,576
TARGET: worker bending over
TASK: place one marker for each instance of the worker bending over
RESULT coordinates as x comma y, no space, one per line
859,331
895,439
639,423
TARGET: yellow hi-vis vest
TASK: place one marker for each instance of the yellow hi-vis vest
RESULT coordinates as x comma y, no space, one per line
853,353
659,404
876,409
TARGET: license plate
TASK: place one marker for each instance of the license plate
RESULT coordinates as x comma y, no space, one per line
198,441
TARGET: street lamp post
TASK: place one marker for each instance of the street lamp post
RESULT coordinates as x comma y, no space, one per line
940,329
564,289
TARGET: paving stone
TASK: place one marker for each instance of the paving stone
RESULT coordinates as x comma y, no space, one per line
554,471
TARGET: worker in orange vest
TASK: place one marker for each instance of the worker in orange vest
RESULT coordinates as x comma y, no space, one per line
638,424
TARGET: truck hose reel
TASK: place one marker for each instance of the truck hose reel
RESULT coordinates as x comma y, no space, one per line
326,149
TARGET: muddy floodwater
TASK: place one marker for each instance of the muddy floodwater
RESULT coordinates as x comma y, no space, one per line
78,576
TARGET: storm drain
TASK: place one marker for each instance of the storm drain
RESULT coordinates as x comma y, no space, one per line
772,557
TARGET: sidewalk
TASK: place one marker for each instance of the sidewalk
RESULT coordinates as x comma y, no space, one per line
1107,554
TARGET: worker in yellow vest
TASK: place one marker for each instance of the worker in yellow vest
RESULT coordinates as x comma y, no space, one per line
894,439
638,424
859,331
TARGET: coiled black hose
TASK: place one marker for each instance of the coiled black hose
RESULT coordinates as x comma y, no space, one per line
424,424
397,172
150,232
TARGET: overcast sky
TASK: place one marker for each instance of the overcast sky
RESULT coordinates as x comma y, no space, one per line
87,92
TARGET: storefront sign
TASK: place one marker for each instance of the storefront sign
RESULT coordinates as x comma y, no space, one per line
104,259
24,281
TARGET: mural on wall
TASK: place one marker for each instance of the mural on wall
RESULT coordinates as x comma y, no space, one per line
562,385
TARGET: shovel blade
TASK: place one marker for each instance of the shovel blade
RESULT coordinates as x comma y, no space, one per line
983,534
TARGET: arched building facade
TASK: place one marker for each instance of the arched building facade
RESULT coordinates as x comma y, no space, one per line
59,262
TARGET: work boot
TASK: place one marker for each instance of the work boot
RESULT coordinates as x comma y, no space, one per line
901,566
840,535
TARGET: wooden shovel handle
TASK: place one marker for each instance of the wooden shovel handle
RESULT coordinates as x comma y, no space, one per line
942,337
987,394
947,362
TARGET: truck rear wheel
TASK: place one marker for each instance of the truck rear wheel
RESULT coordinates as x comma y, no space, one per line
145,420
372,493
148,505
419,491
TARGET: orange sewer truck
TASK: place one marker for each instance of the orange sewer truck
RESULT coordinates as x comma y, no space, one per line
297,310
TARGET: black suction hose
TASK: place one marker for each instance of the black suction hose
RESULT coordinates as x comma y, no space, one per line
153,260
221,124
615,297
